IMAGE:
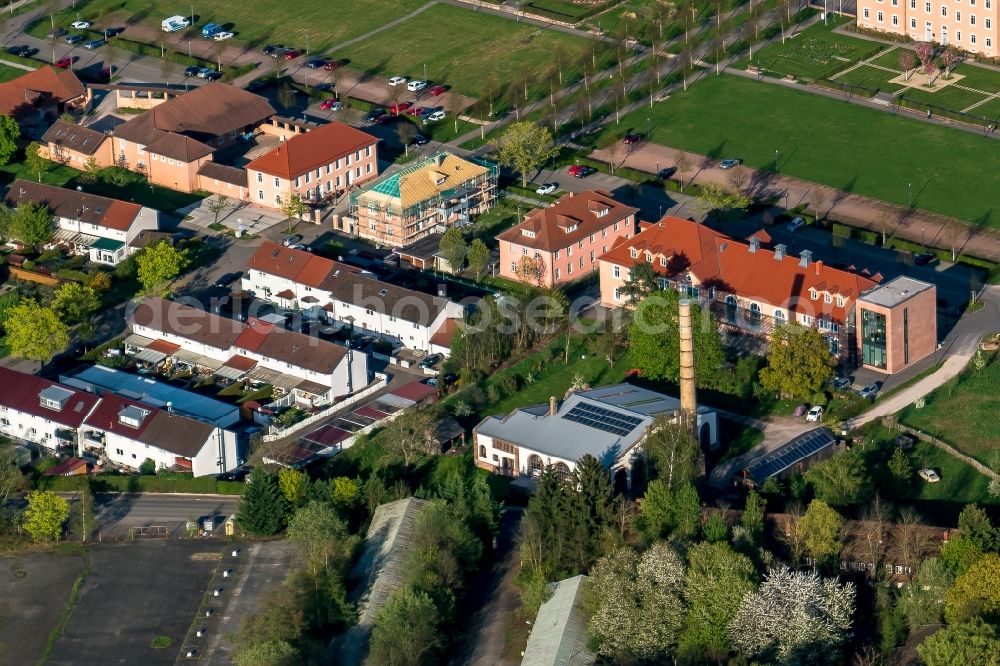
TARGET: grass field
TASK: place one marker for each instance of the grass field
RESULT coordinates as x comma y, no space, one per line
254,21
963,413
816,52
861,150
7,72
465,50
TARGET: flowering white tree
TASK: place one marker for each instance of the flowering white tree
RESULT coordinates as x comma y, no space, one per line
794,618
637,602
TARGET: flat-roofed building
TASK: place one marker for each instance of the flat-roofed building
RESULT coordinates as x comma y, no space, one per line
897,324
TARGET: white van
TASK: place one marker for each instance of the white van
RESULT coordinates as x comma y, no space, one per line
174,23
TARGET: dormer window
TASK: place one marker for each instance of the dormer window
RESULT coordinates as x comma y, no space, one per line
634,252
440,181
602,212
827,298
840,301
571,228
649,257
663,262
813,294
54,397
132,416
528,232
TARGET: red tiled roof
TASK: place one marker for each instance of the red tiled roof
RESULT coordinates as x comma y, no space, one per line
285,293
163,346
241,363
67,467
315,148
19,95
105,416
715,260
74,205
415,391
328,435
443,336
253,335
21,392
296,265
569,220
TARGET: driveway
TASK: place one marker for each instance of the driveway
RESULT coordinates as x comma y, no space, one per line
116,513
778,431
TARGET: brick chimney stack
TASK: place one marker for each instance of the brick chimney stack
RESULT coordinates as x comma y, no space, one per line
689,400
553,406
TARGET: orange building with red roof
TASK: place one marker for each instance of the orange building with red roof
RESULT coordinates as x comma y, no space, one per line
561,243
317,165
40,96
751,288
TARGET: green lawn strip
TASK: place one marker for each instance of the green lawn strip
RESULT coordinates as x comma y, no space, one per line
478,46
7,72
814,53
869,77
317,22
74,593
990,109
963,412
861,150
953,98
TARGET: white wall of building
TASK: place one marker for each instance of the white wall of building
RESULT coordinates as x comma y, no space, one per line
21,425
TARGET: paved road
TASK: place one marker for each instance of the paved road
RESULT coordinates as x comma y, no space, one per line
117,513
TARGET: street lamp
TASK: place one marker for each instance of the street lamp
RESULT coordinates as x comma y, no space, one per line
775,160
425,71
922,244
909,192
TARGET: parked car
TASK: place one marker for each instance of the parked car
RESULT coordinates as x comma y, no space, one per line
315,63
291,240
241,472
815,414
193,71
923,258
208,73
291,54
666,172
929,475
869,391
399,107
437,90
65,62
331,65
729,164
385,119
323,87
113,32
228,279
397,80
432,382
330,105
80,25
93,44
581,170
427,110
300,246
842,383
73,39
415,85
547,188
269,49
796,224
632,139
430,361
223,36
56,33
374,115
800,410
23,51
419,140
434,117
209,30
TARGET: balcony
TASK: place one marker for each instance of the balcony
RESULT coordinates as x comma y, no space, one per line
745,320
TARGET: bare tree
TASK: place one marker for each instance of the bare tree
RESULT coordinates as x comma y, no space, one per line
792,534
911,539
874,529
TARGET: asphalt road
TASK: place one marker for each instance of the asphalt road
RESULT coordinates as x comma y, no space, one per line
117,513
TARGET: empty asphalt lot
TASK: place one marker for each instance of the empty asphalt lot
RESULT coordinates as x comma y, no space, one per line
135,592
116,513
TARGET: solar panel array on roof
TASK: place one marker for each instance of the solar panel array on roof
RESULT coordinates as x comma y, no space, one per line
800,448
602,419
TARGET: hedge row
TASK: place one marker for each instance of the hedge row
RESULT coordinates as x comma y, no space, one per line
161,483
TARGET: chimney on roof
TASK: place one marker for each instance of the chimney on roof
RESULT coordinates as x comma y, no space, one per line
571,194
779,251
439,159
553,405
805,257
170,407
819,266
754,244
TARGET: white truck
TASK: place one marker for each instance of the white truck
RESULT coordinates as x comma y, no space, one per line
174,23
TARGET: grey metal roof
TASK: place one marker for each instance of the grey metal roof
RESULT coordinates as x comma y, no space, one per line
895,291
559,635
571,435
802,447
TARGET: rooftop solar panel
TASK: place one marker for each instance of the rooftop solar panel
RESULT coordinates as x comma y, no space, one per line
800,448
602,419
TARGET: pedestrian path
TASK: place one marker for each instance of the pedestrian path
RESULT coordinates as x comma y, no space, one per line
386,26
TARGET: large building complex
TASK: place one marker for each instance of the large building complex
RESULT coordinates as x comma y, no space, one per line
750,288
562,243
419,199
970,25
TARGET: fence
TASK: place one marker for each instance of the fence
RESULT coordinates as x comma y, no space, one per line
948,448
32,276
377,385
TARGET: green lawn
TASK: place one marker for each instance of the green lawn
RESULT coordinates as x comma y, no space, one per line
254,21
7,72
465,50
865,151
815,52
963,413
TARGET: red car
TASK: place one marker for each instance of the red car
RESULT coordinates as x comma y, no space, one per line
64,62
580,171
399,108
291,54
414,111
632,139
437,90
330,105
332,65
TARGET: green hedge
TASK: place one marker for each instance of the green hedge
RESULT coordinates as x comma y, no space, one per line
359,104
165,482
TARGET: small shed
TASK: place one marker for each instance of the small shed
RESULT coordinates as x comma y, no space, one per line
69,467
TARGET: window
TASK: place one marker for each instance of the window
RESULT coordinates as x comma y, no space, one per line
958,35
260,195
972,39
813,294
895,3
913,23
827,298
308,178
972,19
557,273
895,20
989,3
336,164
357,172
260,177
944,10
840,301
913,4
989,24
807,320
581,262
555,256
618,293
368,168
591,256
866,12
513,267
989,42
328,170
927,7
663,262
569,251
616,271
277,182
338,181
591,238
615,226
482,451
368,151
958,18
604,233
878,17
873,339
347,159
569,269
357,156
779,316
535,465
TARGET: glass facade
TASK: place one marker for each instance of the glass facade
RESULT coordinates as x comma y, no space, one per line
873,339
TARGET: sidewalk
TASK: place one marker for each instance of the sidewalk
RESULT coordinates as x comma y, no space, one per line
851,209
